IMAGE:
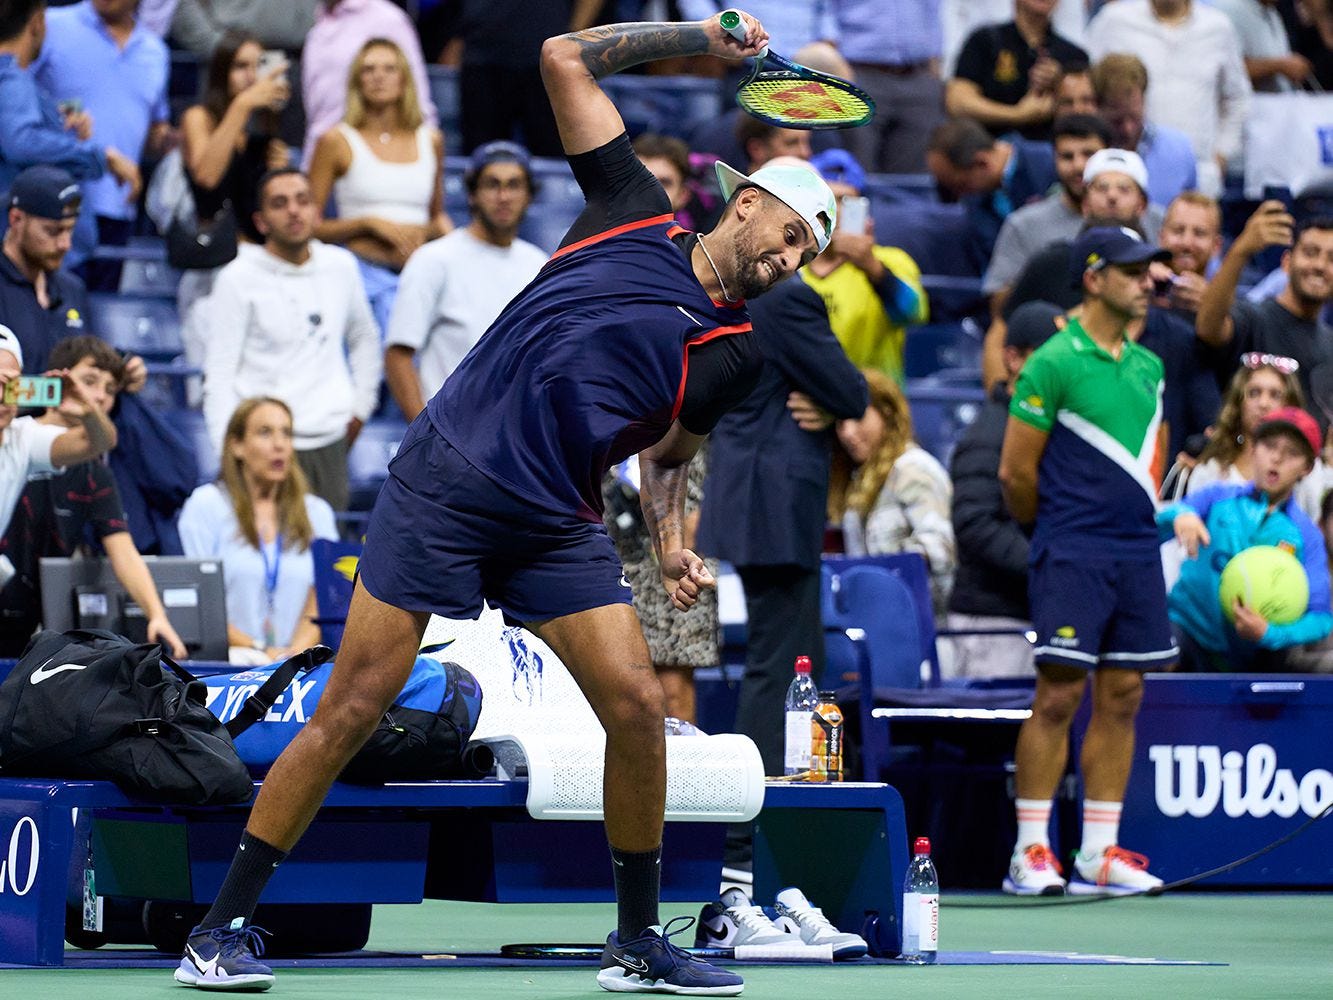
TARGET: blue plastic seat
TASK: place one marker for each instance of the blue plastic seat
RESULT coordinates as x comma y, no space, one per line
335,571
368,461
941,411
143,325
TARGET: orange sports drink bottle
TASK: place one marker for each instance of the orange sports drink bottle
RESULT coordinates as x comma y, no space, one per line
826,739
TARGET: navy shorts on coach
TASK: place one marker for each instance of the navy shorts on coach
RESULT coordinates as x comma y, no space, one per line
442,536
1090,612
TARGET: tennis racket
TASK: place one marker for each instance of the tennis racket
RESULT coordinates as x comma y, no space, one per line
781,92
797,952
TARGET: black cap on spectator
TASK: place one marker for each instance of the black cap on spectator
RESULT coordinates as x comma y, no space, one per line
47,192
1032,324
500,151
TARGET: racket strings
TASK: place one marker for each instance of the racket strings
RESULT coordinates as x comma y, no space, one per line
801,101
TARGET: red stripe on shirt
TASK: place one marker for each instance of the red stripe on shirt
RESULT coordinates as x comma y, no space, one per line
656,220
721,331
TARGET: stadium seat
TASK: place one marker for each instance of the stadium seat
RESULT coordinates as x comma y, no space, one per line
444,92
936,236
670,105
368,461
144,325
940,412
952,344
149,277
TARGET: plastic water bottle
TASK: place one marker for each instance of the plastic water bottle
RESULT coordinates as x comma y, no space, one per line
921,907
802,697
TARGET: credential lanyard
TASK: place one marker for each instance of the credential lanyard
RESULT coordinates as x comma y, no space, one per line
271,588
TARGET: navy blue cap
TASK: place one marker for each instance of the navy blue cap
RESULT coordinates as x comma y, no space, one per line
1032,324
501,151
839,167
46,191
1108,246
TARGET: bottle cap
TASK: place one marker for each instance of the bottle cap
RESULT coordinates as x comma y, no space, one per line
802,664
922,846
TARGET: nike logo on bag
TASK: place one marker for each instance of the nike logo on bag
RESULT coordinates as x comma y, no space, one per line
42,673
205,968
633,964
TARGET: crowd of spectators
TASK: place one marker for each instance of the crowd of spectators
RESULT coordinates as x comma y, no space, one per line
339,243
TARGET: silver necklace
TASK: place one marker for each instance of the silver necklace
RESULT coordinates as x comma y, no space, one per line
709,257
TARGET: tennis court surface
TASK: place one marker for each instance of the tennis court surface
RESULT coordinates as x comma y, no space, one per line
1247,944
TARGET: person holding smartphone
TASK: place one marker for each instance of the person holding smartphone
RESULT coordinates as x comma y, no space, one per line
873,293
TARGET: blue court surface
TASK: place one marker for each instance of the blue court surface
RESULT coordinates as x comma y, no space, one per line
1197,945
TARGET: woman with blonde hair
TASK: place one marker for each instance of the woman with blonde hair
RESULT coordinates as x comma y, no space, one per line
1262,384
258,520
889,493
384,167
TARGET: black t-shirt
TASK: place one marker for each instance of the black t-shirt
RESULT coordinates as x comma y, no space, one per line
1270,329
620,190
51,519
1190,400
1045,278
998,60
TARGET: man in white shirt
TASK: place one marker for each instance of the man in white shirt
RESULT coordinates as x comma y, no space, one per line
1264,44
453,288
290,320
1198,82
28,448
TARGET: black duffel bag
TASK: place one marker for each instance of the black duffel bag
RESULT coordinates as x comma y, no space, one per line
90,704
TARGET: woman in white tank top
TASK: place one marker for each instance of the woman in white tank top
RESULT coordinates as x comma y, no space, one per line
384,167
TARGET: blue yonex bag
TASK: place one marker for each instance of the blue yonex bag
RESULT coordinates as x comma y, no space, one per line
424,735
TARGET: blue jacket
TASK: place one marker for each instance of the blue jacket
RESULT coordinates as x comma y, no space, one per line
1237,517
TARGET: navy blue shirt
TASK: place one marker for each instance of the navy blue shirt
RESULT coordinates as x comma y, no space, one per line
38,329
612,341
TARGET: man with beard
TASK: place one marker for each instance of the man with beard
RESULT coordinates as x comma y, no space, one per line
453,288
1058,216
1081,459
633,338
1288,325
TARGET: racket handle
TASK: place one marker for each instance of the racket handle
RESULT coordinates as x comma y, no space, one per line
734,25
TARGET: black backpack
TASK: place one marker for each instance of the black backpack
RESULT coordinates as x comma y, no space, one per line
90,704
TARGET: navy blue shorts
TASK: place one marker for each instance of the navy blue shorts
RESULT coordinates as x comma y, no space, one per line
1112,613
443,536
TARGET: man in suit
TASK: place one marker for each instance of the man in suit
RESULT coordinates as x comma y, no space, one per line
765,499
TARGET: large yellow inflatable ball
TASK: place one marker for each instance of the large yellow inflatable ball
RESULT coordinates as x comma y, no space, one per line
1267,579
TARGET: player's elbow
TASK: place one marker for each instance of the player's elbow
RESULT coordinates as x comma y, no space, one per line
561,59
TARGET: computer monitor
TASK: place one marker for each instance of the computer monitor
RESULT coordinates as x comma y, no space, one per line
84,593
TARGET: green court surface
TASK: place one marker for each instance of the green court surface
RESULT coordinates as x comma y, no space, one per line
1274,946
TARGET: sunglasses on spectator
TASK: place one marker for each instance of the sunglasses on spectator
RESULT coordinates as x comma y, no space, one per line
1256,359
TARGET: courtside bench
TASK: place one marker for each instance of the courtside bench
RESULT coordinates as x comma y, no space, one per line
845,844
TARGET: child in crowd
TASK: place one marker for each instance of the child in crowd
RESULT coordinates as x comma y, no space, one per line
1223,520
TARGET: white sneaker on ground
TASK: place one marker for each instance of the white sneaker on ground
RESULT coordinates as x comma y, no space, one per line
734,921
1033,871
797,916
1114,872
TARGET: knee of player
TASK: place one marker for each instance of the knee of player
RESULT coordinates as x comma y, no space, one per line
1119,694
637,704
349,718
1056,701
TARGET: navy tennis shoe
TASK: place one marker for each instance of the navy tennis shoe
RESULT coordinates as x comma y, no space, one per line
650,963
225,958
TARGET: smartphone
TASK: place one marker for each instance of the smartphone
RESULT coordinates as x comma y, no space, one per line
270,60
1283,194
70,106
853,214
33,390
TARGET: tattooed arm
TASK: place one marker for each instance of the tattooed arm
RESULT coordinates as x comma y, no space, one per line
663,471
572,64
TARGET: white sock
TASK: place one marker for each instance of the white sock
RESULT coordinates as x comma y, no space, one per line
1101,827
1034,822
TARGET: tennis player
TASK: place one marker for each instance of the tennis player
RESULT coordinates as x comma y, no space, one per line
632,339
